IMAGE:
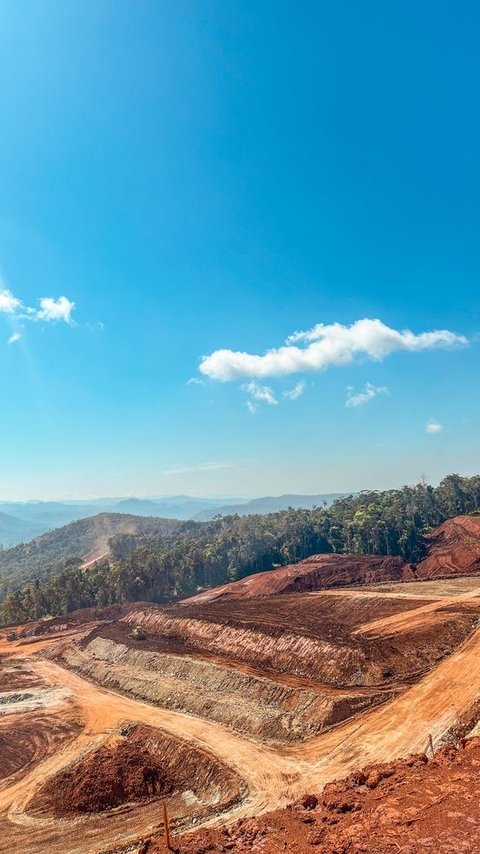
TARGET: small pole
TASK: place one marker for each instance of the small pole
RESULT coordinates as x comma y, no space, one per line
165,825
430,743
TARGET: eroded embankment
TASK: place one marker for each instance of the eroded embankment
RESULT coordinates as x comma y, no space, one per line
251,705
328,655
140,764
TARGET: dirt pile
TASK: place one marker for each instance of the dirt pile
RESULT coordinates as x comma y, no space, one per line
412,805
114,775
318,572
453,549
138,764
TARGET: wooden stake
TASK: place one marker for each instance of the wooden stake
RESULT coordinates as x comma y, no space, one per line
430,743
165,825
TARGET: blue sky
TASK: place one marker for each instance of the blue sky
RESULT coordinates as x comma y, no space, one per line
195,177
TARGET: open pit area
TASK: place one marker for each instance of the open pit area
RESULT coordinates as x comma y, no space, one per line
226,710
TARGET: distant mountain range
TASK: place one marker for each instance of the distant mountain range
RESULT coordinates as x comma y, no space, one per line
270,504
23,521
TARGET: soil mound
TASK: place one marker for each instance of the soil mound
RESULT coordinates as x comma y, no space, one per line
318,572
453,549
135,766
114,775
412,805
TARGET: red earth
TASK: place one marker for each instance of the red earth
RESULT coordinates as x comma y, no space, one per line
412,805
452,549
318,572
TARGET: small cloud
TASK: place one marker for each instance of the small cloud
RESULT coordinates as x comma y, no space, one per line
8,303
296,391
433,427
15,336
362,397
262,393
200,468
251,406
195,381
56,309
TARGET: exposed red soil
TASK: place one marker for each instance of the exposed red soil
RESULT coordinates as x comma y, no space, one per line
303,635
137,765
122,773
318,572
453,549
30,740
411,805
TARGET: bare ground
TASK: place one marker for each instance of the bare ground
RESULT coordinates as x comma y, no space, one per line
445,631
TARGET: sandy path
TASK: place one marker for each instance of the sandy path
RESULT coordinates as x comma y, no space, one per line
273,776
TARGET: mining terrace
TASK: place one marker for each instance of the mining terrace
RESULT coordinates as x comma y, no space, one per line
226,708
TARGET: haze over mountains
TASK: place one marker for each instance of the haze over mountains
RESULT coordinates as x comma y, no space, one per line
23,521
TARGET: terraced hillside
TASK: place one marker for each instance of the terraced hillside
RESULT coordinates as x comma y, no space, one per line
267,698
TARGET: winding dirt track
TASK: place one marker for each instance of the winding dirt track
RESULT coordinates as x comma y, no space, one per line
273,776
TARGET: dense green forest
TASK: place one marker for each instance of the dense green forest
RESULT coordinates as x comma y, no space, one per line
46,556
174,564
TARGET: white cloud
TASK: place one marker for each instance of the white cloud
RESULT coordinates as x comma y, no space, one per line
195,381
15,336
55,309
201,467
8,303
251,406
325,346
296,391
362,397
433,426
262,393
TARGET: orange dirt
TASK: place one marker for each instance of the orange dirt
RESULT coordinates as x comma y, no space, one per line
318,572
454,548
412,805
203,673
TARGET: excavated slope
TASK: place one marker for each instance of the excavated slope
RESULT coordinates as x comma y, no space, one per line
252,705
453,549
318,572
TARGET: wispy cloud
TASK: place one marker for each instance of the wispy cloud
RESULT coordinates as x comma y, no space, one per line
433,427
296,391
365,396
262,393
199,468
251,406
195,381
324,346
15,336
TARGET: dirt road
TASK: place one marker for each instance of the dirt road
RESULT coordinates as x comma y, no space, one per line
273,776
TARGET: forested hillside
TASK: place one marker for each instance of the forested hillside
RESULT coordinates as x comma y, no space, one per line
176,564
47,555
